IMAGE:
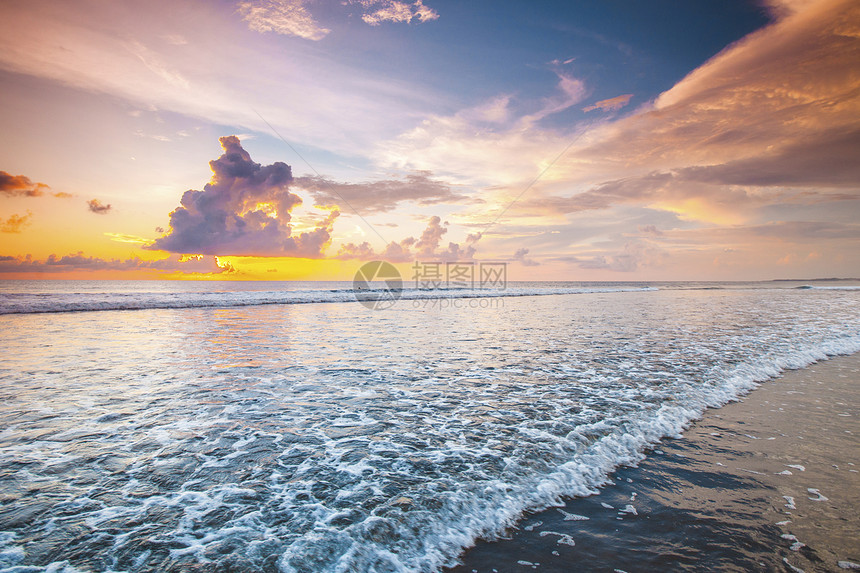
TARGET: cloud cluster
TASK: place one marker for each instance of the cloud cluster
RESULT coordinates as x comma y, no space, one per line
244,210
292,17
287,17
81,262
379,196
424,248
763,140
379,11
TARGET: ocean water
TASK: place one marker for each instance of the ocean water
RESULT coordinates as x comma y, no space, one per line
158,426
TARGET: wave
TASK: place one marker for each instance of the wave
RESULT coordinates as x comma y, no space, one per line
814,287
19,303
465,517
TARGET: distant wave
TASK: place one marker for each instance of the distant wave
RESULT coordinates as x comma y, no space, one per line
20,303
813,287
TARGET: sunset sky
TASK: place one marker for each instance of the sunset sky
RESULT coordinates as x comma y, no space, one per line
295,139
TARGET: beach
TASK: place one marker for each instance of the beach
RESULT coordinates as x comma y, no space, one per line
767,483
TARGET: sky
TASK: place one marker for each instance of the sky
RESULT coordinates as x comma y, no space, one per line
297,139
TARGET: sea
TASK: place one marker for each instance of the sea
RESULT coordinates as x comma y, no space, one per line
302,427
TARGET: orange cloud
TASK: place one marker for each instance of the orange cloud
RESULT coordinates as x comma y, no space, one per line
14,185
15,223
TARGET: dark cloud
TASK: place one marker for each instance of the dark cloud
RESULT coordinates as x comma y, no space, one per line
97,207
19,185
81,262
244,210
379,196
15,223
829,160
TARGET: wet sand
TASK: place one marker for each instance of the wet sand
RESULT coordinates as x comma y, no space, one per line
769,483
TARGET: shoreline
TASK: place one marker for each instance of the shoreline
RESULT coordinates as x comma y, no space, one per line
764,483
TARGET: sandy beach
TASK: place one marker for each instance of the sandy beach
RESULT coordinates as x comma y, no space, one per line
769,483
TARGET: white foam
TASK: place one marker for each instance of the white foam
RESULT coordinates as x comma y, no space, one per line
629,509
563,538
572,516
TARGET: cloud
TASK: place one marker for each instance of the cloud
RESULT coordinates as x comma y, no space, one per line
425,248
651,230
379,196
126,238
611,104
486,144
81,262
780,91
430,237
520,256
287,17
97,207
379,11
244,210
828,160
15,223
294,94
634,256
19,185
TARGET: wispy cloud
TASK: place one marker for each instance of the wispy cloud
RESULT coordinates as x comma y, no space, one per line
126,238
382,195
611,104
